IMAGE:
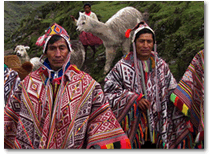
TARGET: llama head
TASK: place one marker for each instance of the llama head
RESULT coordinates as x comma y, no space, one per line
83,22
20,50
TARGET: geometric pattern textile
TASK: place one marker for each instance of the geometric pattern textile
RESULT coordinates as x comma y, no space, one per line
123,91
11,81
79,117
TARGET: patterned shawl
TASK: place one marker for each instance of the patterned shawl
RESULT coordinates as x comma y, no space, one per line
123,91
11,81
189,97
80,117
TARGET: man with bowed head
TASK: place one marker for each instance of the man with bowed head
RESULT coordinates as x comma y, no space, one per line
138,89
60,107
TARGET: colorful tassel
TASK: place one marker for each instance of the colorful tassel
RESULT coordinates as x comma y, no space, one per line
180,105
153,136
110,146
127,122
142,134
127,33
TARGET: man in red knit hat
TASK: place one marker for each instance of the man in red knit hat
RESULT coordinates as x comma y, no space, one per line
138,89
60,107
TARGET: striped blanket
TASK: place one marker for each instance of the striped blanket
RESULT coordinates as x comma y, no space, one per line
189,98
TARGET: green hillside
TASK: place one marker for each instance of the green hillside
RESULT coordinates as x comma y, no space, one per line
179,28
15,11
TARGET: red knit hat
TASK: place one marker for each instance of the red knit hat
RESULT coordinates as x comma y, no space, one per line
54,29
141,25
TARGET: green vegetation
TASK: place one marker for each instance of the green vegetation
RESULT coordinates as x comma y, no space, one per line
179,28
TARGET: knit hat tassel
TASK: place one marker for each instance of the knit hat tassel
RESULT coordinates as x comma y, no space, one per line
127,33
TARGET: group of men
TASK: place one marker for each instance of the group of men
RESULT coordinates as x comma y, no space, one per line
59,106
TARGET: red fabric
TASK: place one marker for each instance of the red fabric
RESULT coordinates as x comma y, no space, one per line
190,126
57,80
201,136
103,147
76,114
123,144
139,98
179,104
200,146
176,99
89,39
88,14
128,144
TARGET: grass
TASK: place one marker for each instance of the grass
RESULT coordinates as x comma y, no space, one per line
106,9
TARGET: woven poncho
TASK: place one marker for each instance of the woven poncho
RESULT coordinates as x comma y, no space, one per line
189,98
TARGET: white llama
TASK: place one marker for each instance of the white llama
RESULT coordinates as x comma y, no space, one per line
21,52
112,33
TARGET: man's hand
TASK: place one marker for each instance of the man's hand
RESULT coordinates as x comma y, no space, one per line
144,104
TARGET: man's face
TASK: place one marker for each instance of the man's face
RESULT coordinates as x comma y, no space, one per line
144,46
87,9
57,54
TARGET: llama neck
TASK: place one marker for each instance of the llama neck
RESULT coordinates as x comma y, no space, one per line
99,29
27,58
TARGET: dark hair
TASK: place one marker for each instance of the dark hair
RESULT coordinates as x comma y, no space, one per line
145,30
86,4
53,39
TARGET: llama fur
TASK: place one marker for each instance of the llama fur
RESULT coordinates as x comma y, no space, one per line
112,33
21,52
77,54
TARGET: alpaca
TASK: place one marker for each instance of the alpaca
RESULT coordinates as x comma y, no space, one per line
78,53
21,52
112,33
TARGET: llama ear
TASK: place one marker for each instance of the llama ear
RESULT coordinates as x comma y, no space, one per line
27,47
16,49
82,16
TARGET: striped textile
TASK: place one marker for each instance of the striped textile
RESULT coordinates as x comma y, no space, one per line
189,97
78,118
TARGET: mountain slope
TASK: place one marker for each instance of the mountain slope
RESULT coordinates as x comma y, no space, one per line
179,28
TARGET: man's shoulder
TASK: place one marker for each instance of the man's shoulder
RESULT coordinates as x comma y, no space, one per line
128,59
74,71
160,60
125,62
35,73
92,13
